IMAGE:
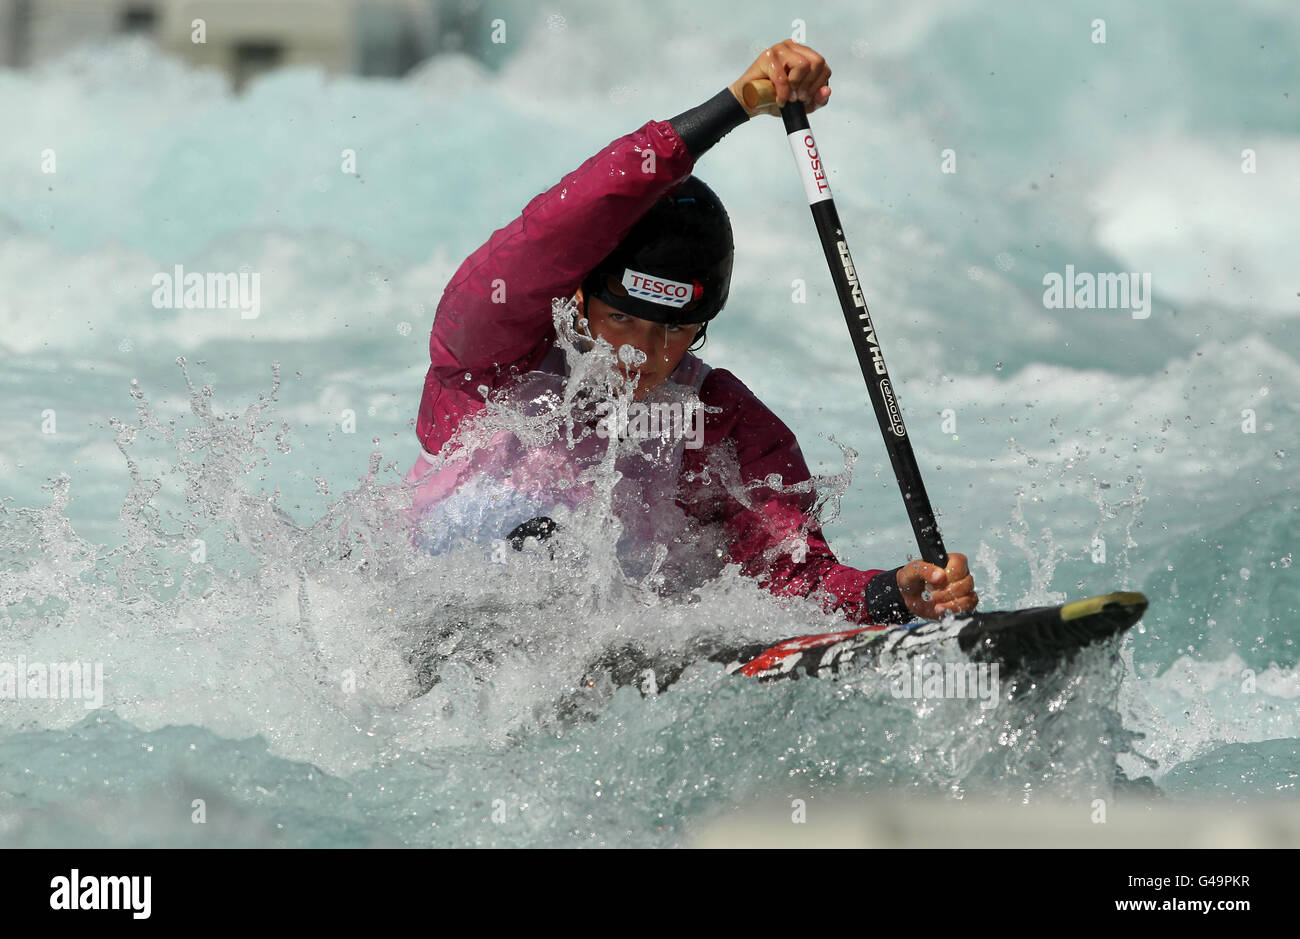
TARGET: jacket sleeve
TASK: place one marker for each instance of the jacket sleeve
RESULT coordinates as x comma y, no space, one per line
772,533
496,310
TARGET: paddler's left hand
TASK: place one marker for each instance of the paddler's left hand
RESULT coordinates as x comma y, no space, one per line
797,72
951,589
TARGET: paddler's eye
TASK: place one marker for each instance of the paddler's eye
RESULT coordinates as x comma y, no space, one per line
618,317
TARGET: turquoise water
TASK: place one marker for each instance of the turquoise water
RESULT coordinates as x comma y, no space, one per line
151,456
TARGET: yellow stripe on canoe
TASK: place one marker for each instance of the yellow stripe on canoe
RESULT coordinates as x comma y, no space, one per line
1094,605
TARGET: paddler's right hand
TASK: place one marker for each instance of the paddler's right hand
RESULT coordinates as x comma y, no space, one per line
951,589
796,72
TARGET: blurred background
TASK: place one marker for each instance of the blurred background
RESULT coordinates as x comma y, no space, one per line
351,154
374,37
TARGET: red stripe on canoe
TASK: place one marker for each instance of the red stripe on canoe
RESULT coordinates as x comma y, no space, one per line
771,657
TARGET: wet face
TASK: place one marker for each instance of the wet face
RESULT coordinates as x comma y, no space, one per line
662,345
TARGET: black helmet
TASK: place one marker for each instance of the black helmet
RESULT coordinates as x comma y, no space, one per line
674,266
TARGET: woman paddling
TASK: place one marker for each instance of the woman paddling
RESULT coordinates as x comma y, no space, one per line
644,249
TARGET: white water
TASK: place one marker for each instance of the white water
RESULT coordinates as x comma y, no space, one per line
270,679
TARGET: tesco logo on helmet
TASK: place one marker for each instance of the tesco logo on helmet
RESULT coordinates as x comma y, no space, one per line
666,287
657,289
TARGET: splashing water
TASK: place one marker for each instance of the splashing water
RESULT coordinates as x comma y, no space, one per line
270,638
224,621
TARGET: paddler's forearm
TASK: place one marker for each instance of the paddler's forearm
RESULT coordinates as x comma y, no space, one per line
703,126
882,600
496,311
862,596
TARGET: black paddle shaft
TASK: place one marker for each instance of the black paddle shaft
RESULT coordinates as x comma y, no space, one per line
812,168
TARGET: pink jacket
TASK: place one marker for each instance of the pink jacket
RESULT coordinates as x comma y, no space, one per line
546,252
